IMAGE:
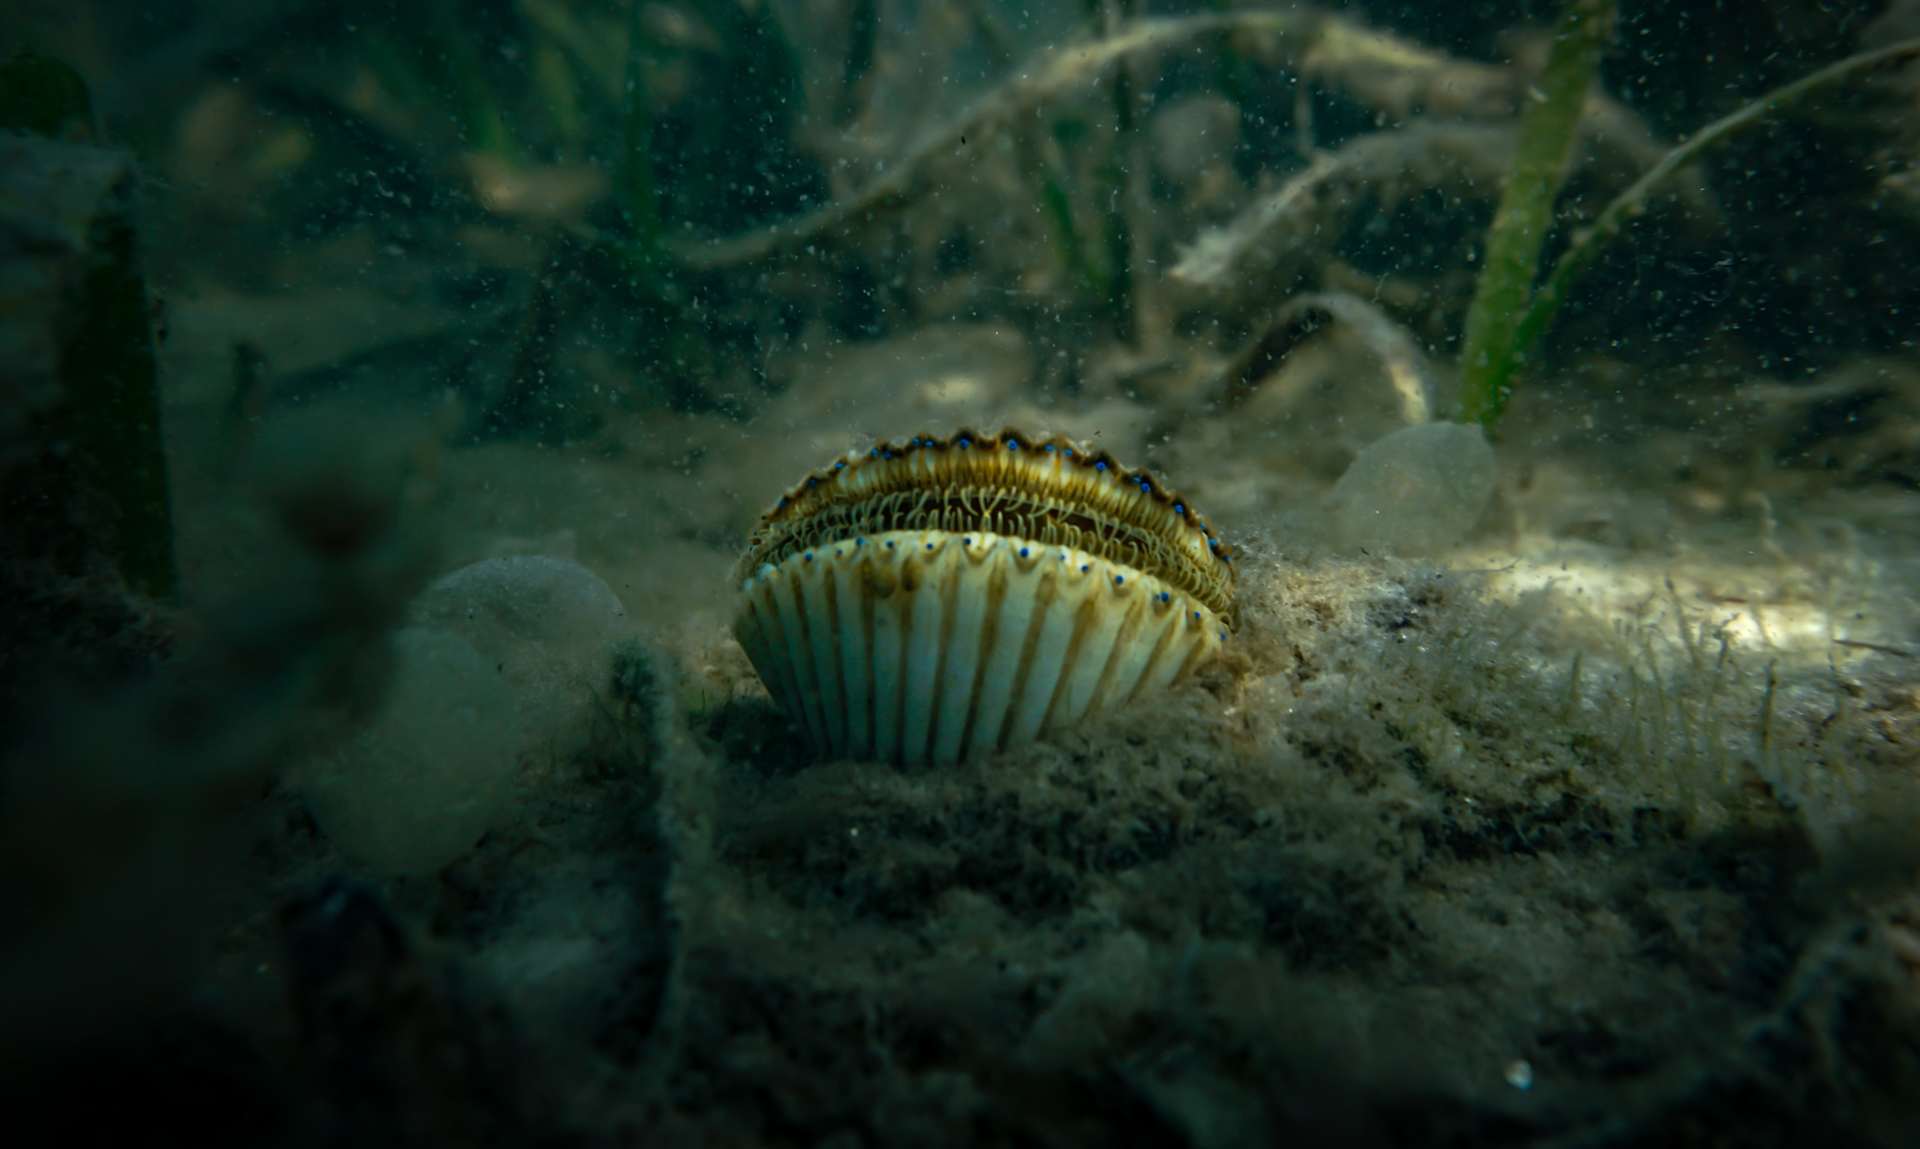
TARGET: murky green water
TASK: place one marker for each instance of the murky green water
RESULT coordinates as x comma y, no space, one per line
1312,575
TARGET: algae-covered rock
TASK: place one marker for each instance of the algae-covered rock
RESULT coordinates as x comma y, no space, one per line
1417,490
417,787
546,624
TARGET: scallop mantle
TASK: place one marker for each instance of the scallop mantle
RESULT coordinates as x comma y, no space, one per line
931,600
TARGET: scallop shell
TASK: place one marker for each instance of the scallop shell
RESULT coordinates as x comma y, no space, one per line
936,599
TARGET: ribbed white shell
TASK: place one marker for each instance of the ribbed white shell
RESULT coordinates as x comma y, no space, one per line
927,646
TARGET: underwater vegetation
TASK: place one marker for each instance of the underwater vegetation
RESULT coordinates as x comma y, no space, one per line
1500,331
510,639
81,394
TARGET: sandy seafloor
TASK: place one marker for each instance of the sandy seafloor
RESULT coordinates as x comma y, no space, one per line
1597,829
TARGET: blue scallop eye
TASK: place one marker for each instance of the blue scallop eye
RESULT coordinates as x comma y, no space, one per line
929,546
1118,579
1145,487
967,542
1180,509
808,556
1048,448
860,542
1085,567
1101,466
1023,552
889,544
874,454
964,444
1013,444
1166,596
1067,451
1196,616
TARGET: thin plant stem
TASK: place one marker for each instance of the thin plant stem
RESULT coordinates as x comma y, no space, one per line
1117,173
483,123
856,79
1525,215
637,194
1589,243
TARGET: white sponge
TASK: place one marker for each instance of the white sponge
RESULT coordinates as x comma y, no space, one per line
1418,490
418,785
502,662
546,624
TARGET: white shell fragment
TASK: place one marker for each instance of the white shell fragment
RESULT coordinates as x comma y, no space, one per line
885,639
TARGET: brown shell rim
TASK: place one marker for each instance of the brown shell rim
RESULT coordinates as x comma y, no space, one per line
967,439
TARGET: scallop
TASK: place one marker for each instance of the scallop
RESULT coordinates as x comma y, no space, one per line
936,599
